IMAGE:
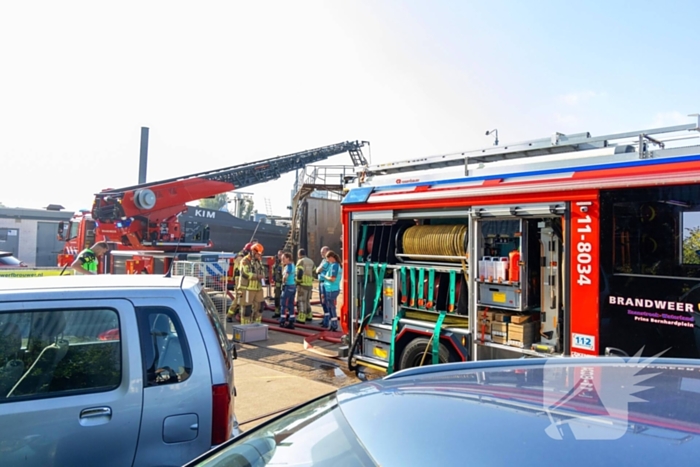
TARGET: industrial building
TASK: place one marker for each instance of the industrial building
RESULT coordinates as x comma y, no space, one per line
30,234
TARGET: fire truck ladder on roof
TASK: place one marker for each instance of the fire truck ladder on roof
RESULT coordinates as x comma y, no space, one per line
556,144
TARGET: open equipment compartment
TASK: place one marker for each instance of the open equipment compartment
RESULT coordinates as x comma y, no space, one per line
416,269
520,283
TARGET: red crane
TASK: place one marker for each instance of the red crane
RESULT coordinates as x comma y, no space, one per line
145,216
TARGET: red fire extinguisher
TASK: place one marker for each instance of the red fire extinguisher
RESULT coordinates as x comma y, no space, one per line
514,266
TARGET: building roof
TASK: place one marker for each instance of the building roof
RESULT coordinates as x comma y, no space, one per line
34,214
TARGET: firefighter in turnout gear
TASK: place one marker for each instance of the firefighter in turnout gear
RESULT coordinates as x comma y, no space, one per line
305,282
237,292
277,278
251,282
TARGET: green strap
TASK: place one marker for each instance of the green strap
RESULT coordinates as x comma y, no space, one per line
453,281
421,280
379,271
404,288
436,338
392,347
363,241
431,289
364,302
413,286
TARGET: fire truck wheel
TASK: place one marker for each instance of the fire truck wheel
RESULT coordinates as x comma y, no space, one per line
413,353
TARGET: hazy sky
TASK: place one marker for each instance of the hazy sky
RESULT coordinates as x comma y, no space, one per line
221,83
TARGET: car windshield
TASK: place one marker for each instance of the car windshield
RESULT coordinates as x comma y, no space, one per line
9,260
315,434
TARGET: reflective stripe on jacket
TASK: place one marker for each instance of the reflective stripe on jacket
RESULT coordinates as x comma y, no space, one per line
250,268
306,265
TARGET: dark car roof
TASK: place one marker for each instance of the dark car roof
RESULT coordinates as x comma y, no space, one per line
598,411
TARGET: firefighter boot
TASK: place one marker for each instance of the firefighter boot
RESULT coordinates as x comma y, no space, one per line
258,315
301,312
287,321
232,311
247,315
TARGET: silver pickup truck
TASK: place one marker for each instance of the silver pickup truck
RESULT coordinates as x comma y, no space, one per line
112,370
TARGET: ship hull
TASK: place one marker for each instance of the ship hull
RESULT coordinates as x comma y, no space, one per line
230,233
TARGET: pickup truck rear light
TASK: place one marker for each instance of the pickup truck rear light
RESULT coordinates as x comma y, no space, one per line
221,414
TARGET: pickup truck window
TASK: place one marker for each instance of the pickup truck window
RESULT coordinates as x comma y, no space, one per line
58,352
166,355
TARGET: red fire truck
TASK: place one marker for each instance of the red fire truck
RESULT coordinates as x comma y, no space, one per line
570,245
144,219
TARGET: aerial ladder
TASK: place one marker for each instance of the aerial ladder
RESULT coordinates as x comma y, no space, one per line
145,216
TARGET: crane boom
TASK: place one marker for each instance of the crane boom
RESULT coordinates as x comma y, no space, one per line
145,215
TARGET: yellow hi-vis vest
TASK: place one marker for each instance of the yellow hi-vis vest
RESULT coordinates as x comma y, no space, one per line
306,265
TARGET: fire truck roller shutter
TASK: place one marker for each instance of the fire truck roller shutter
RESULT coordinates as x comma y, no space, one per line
144,199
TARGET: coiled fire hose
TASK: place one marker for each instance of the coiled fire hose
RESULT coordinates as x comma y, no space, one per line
436,241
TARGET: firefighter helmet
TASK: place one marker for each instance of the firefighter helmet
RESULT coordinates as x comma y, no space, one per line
257,248
247,246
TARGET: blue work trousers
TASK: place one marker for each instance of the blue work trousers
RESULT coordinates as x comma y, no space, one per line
322,296
288,313
331,298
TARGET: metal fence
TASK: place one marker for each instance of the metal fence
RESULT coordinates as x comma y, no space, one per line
212,276
330,175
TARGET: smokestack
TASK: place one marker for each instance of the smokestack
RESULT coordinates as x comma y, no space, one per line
143,160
